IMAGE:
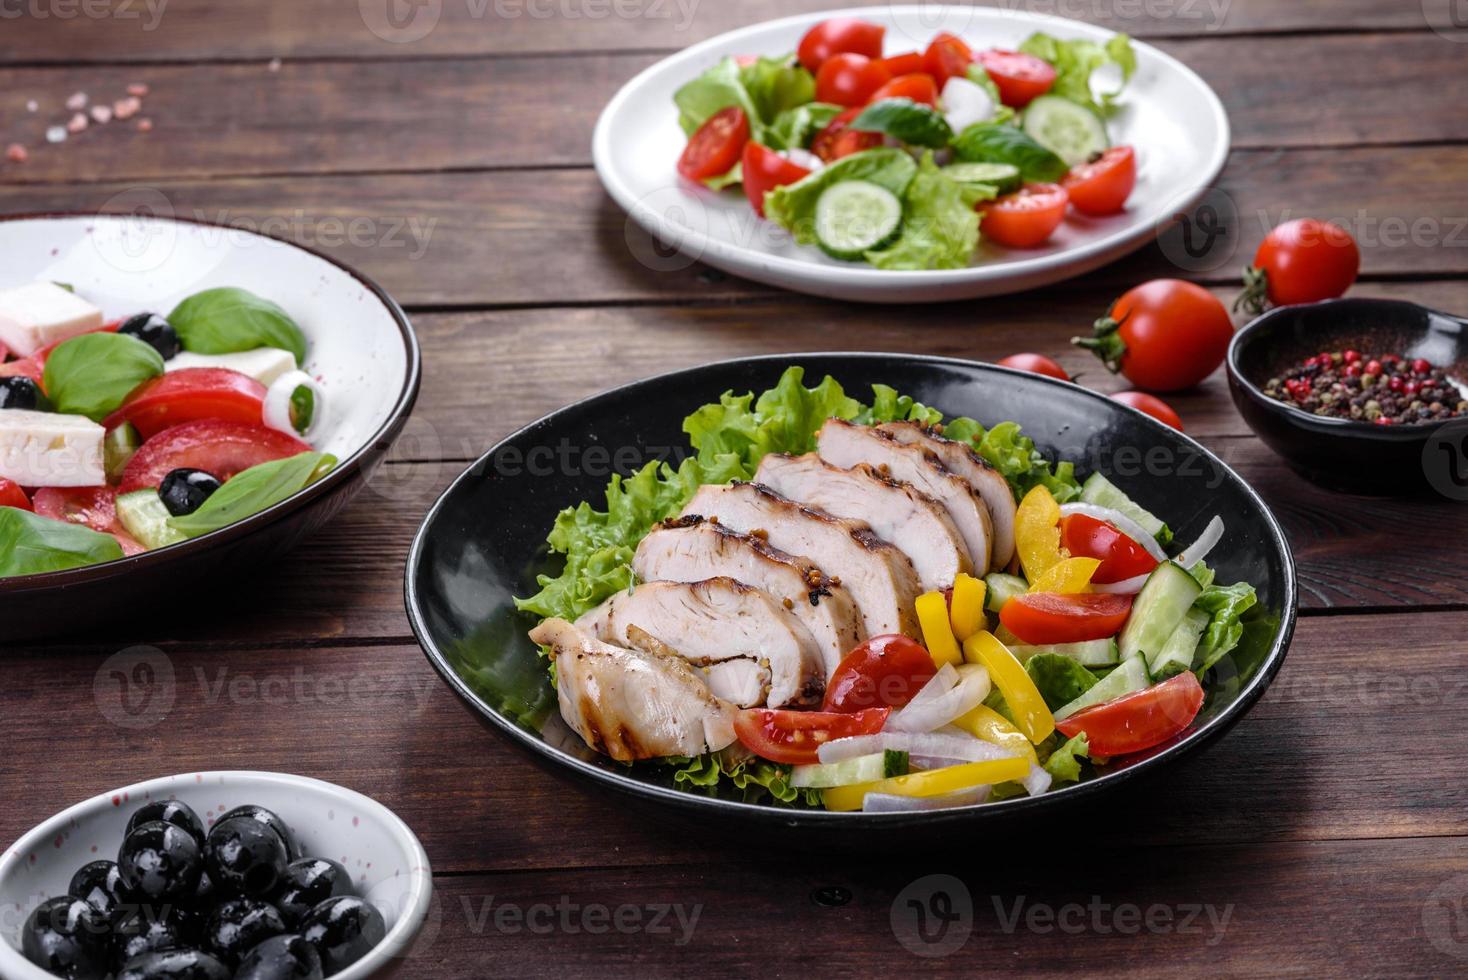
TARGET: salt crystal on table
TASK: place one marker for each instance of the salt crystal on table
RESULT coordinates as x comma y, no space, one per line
32,105
77,101
127,108
77,123
137,88
145,125
56,134
16,153
101,114
274,65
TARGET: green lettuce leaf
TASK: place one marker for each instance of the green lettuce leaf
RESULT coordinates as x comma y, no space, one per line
1014,455
1059,678
795,128
1225,605
1075,61
776,85
717,88
793,206
1064,763
749,779
940,228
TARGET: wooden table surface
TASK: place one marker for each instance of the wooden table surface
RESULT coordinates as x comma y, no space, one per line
1324,836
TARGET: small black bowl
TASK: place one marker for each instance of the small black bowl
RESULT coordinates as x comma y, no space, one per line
1343,454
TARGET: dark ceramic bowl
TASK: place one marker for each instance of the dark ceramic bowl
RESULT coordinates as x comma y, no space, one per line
484,542
360,346
1341,453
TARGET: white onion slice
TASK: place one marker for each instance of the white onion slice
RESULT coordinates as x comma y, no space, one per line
1206,542
1123,523
959,748
803,158
935,712
888,803
1127,586
277,408
965,103
1037,782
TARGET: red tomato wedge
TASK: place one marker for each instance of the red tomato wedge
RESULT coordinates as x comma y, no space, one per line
763,170
218,447
715,146
11,495
93,507
1140,720
885,671
919,87
1121,557
1041,618
1025,218
904,64
189,395
839,35
1019,77
1101,186
849,79
946,57
837,141
795,737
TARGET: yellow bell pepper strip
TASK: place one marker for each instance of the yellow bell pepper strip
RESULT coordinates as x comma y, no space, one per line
933,782
967,614
932,613
986,723
1037,533
1009,675
1071,576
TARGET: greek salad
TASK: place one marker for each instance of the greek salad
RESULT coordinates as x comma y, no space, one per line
866,606
906,160
125,436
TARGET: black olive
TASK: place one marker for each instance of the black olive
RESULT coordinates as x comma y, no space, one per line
142,928
99,884
169,811
154,331
206,896
184,490
19,391
160,863
269,818
66,937
281,958
174,964
239,925
309,882
343,930
245,856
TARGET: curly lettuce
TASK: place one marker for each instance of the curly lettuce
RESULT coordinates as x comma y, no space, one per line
748,779
940,228
1075,61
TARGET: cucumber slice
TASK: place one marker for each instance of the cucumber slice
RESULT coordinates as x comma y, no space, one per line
1003,177
862,769
1002,588
1090,653
1130,677
1157,611
143,515
854,217
118,447
1176,654
1068,129
1103,493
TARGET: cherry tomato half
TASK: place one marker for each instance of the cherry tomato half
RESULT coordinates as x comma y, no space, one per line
795,737
1307,260
839,35
11,495
836,140
1164,335
1151,405
1121,557
93,507
1049,617
885,671
919,87
217,447
1101,186
1020,77
1025,218
849,79
947,56
1035,364
715,146
188,395
763,170
1139,720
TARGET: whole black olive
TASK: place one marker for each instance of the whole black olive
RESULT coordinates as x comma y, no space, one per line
343,930
174,964
184,490
99,884
245,856
160,863
308,882
66,937
281,958
169,811
18,391
154,331
269,818
140,929
239,925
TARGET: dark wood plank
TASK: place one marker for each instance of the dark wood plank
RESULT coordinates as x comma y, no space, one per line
1320,758
488,238
322,117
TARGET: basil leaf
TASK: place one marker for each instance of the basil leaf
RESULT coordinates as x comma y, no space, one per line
996,143
228,320
30,544
912,122
92,374
254,490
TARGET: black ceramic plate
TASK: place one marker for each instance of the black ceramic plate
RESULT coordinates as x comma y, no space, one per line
484,541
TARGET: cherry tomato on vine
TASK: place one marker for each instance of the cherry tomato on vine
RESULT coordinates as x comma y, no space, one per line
1164,335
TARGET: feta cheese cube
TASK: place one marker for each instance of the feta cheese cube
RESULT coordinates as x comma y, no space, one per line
264,364
42,313
44,449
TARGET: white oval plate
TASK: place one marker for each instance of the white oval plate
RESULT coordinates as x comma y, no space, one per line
1170,115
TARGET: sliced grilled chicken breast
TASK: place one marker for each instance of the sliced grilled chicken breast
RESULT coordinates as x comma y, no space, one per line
914,523
961,460
843,443
732,631
691,549
879,577
633,705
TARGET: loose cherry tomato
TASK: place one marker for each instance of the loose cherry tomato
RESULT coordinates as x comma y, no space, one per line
217,447
1049,617
1301,261
904,64
763,170
1139,720
836,140
1035,364
885,671
11,495
1151,405
946,57
1020,77
1101,186
189,395
1164,335
839,35
93,507
715,146
919,87
849,79
1121,557
795,737
1025,218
